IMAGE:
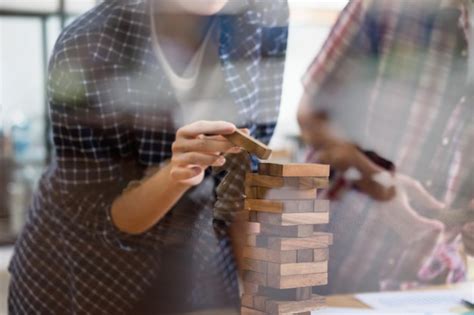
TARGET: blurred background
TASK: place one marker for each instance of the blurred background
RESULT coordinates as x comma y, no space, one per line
28,31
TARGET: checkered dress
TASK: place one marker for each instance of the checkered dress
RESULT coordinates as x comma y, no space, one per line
392,76
110,112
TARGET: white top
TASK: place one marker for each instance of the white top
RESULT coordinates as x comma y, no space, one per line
201,90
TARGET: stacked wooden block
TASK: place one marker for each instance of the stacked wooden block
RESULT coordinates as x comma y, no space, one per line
284,258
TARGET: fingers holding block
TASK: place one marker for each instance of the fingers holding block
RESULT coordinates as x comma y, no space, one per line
250,144
294,170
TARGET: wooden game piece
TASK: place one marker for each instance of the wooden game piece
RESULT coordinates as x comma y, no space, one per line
291,307
251,192
248,311
249,144
303,230
254,265
252,240
287,206
317,240
283,257
291,219
297,268
304,255
242,216
250,288
259,302
247,300
251,227
279,194
296,294
321,254
297,281
255,277
254,179
294,170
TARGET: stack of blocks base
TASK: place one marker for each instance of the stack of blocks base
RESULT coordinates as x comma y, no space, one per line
284,258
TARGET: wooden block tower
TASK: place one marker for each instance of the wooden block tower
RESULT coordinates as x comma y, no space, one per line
284,258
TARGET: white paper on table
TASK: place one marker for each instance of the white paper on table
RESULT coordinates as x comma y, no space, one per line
358,311
414,301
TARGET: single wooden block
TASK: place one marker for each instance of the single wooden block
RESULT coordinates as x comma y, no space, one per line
250,144
259,302
294,170
317,240
247,300
287,206
242,216
297,281
253,179
251,192
321,254
255,277
252,240
291,307
304,255
250,288
248,311
251,227
254,265
296,294
297,268
285,219
303,230
281,193
264,254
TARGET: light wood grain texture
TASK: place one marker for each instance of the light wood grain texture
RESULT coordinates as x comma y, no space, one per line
291,307
250,288
321,254
304,255
294,170
269,255
253,179
248,311
317,240
297,281
293,219
296,294
251,227
250,144
259,302
286,206
282,193
247,300
303,230
254,265
297,269
255,277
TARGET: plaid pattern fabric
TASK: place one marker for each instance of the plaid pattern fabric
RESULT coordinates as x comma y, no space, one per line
110,111
392,77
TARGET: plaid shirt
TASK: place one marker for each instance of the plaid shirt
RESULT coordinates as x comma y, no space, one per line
110,111
392,76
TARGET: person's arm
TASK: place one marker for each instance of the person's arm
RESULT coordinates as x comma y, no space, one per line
197,146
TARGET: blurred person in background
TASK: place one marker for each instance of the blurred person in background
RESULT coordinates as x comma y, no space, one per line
388,103
126,219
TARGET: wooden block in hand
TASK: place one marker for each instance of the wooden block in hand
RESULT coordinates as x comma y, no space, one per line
267,255
250,144
292,307
257,180
297,281
296,294
317,240
292,219
297,268
303,230
287,206
294,170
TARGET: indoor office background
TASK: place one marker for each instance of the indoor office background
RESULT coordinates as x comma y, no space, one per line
28,31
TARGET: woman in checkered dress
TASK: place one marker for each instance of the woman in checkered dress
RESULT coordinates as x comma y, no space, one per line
126,219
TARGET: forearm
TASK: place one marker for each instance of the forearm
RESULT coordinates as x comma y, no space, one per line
138,210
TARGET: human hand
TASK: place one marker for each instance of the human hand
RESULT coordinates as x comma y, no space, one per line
198,146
